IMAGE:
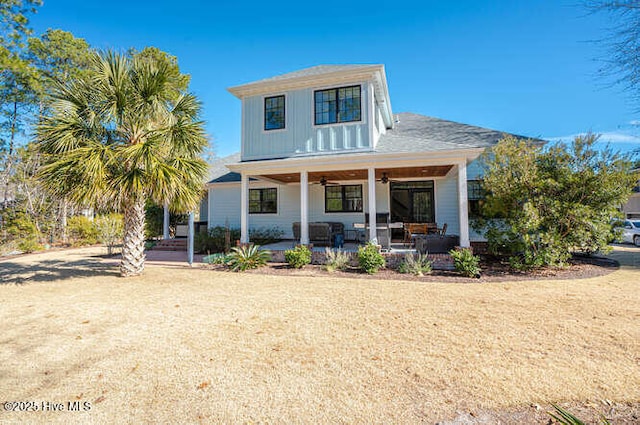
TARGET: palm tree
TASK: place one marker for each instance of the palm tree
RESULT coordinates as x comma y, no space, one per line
126,132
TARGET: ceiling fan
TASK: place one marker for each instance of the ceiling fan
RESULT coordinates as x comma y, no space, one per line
384,179
324,182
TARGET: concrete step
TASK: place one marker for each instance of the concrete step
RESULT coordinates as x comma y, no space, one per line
171,245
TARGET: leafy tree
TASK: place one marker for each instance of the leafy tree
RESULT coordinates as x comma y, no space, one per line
17,83
17,79
14,21
58,56
125,133
30,196
552,201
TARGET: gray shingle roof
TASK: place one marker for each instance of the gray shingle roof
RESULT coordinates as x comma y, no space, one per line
219,173
420,133
314,71
411,133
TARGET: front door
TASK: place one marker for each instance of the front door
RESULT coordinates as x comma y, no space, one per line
412,202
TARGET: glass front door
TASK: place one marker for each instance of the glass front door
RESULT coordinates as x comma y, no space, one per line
412,202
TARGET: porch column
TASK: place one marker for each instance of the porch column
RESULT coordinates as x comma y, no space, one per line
373,223
304,208
165,222
244,208
463,211
190,238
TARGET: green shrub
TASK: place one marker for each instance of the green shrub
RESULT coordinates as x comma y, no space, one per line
214,240
29,244
20,226
370,259
336,259
298,257
465,262
110,230
81,231
265,235
418,265
219,259
247,257
543,203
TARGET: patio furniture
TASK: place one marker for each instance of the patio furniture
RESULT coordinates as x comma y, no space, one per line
414,229
359,230
320,233
411,230
383,231
433,244
443,231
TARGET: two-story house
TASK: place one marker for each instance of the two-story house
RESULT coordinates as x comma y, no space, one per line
323,145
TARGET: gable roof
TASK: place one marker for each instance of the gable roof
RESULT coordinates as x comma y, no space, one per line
315,71
420,133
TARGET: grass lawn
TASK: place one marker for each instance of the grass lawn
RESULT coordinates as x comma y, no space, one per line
180,345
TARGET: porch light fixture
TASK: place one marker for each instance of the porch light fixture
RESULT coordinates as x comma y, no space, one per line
384,179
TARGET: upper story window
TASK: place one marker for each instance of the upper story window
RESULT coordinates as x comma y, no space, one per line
263,201
337,105
274,112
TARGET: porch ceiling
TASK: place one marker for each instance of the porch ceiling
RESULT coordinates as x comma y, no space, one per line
392,173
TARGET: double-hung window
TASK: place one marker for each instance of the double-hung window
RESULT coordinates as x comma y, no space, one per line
274,113
475,197
263,201
346,198
341,104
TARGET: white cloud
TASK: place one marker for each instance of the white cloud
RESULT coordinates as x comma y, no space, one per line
605,137
634,122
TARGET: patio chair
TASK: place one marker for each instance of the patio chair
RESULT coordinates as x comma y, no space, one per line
432,228
412,230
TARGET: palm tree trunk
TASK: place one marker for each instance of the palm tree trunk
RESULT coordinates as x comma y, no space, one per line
133,257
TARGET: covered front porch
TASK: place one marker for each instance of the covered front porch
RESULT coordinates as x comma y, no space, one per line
350,191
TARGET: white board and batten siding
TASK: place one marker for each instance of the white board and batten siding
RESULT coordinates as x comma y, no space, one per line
301,136
224,205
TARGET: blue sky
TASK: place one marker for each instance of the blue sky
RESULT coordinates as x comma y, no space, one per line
525,67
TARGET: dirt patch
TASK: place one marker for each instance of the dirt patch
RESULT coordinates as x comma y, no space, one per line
492,271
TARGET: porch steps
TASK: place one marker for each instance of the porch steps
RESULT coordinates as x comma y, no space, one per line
171,245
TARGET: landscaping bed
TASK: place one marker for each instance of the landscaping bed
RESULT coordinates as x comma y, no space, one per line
579,267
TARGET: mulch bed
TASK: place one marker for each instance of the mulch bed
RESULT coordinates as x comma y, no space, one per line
492,271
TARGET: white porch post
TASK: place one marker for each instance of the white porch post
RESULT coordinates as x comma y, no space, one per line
463,211
165,222
190,239
244,208
304,208
373,223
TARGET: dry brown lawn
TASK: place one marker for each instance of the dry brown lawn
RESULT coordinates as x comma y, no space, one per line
181,345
